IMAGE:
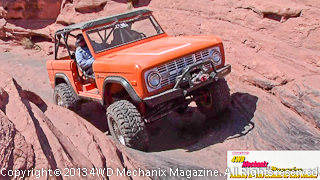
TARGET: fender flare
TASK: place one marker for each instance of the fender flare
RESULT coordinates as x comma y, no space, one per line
66,79
62,76
125,84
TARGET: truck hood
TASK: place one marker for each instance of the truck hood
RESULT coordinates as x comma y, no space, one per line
156,52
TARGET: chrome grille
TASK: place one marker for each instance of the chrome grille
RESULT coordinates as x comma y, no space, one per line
198,56
162,68
171,66
171,70
180,63
164,82
205,53
189,60
173,78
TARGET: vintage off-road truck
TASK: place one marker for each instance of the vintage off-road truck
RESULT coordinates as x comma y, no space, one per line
140,73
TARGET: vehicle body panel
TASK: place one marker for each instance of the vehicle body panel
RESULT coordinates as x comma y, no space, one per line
131,61
136,60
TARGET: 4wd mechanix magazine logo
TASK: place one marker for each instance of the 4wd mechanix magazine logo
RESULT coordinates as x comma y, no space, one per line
241,159
273,164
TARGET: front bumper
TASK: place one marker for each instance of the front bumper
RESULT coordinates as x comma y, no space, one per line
178,92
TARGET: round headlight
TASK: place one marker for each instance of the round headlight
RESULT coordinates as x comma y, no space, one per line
216,56
154,79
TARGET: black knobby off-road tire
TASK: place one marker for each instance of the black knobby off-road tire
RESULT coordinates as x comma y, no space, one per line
217,99
126,125
65,97
182,109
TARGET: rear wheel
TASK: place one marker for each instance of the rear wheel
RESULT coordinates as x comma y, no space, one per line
65,97
215,99
126,125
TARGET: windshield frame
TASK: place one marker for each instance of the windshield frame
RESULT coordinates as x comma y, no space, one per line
104,37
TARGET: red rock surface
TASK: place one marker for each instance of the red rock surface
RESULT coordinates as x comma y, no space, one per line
273,47
39,9
16,153
36,134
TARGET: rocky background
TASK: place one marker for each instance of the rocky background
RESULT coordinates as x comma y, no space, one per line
273,47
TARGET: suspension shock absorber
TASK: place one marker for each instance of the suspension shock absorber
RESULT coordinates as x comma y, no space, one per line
142,108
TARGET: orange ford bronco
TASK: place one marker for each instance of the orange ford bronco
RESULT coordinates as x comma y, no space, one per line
140,73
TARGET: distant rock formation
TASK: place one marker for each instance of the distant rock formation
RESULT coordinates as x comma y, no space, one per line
273,47
37,9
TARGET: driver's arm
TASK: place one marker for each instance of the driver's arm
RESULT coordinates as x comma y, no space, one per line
81,58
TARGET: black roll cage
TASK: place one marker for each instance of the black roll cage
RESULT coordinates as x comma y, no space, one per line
64,33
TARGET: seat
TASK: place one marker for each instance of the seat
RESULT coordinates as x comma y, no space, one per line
121,36
82,73
117,37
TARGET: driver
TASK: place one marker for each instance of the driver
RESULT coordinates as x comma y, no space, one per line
83,55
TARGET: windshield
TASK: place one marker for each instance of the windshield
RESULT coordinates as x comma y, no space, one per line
123,32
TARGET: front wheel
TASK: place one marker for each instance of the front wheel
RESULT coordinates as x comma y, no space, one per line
215,99
126,125
65,97
182,109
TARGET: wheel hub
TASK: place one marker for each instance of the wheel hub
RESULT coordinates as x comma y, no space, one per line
206,99
59,101
117,132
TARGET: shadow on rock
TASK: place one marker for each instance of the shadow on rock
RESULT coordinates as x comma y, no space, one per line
29,98
31,24
35,99
4,99
192,131
94,113
135,3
